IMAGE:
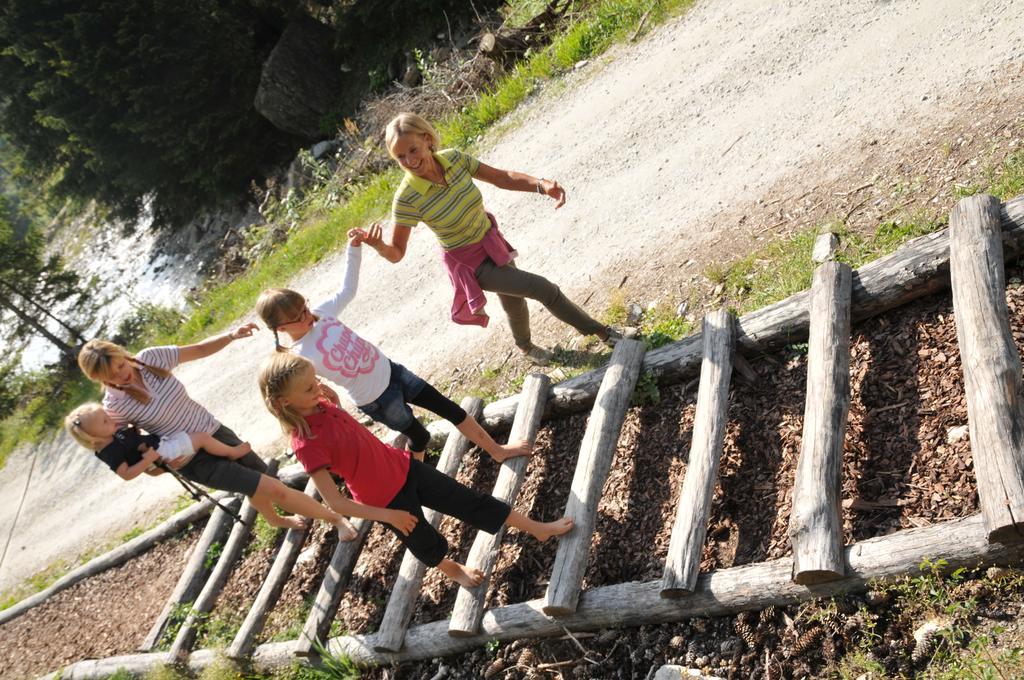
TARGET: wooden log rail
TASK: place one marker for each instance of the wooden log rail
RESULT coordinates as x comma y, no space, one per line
815,524
595,458
218,577
991,365
469,603
682,565
919,268
402,602
190,583
270,591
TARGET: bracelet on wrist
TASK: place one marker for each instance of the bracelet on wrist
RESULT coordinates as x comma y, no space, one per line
540,187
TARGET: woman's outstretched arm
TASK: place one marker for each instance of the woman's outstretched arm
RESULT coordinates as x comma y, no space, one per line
214,344
520,181
373,236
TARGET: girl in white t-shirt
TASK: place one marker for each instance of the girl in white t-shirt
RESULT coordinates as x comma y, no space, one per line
381,388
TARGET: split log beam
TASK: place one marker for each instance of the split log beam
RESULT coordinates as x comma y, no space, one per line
596,452
815,523
194,574
218,577
919,268
271,589
682,565
962,543
992,368
469,603
406,590
117,556
332,589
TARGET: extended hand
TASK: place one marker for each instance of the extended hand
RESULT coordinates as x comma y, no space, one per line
373,235
404,521
243,331
554,190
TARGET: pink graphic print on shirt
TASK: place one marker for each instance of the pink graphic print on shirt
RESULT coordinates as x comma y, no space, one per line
344,351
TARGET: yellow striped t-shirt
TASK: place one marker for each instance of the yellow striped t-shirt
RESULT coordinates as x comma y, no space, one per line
455,213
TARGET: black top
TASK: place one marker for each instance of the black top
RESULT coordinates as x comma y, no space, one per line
126,447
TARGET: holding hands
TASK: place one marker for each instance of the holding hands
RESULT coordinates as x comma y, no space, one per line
372,236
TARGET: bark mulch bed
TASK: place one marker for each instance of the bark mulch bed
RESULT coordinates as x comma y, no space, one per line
907,464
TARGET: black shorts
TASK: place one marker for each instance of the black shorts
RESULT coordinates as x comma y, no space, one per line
426,487
237,476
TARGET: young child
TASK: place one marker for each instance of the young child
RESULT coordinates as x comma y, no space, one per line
381,388
128,452
386,484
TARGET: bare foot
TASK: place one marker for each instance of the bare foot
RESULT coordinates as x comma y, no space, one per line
346,532
467,577
241,450
513,449
291,522
545,530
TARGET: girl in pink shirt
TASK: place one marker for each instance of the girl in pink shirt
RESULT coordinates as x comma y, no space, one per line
386,484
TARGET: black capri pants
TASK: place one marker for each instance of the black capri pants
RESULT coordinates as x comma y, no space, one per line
426,487
238,476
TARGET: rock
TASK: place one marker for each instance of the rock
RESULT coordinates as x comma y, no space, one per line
580,64
669,672
955,434
824,246
633,313
301,78
682,309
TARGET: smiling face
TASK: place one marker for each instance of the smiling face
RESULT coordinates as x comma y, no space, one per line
303,392
98,424
413,153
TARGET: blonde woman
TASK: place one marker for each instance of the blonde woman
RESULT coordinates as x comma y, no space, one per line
142,390
438,190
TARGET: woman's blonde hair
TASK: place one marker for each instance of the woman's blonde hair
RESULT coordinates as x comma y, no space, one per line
73,424
275,378
278,306
95,359
403,124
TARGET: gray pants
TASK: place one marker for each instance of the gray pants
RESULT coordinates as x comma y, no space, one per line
513,286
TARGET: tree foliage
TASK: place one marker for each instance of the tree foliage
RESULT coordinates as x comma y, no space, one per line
121,101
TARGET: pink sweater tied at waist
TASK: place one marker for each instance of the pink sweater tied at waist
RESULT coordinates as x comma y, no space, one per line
461,264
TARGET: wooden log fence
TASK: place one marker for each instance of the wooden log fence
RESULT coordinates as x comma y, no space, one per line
595,458
270,591
469,603
991,365
402,602
815,523
682,565
193,576
218,577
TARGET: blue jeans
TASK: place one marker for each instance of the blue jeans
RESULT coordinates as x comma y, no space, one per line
392,407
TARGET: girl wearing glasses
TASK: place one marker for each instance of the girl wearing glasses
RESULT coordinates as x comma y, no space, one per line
381,388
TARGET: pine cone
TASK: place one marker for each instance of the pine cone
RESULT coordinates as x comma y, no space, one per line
768,613
527,659
828,649
496,666
745,632
805,641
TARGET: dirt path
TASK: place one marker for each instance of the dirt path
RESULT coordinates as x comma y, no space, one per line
654,143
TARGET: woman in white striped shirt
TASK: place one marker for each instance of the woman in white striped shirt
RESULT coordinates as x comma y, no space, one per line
141,390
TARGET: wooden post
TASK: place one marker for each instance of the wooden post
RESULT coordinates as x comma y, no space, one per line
991,364
469,603
193,575
208,597
815,523
596,452
682,565
271,589
402,602
332,589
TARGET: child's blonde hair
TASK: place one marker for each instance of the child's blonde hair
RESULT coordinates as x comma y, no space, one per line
275,378
73,424
278,306
404,123
96,357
